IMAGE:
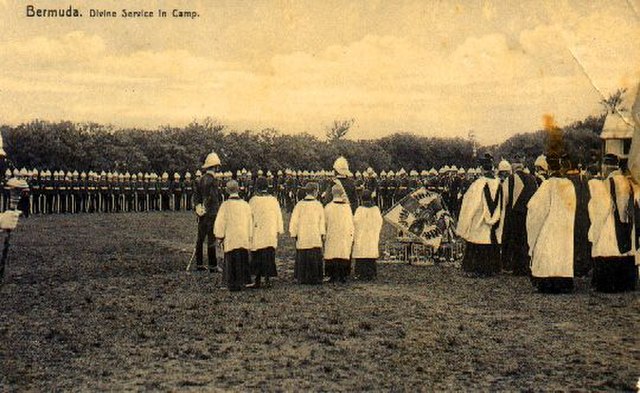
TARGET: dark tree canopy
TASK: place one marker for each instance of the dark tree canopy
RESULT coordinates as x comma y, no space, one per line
91,146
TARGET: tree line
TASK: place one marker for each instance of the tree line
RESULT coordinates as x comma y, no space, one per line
90,146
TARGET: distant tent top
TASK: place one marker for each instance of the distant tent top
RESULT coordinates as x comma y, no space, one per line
617,127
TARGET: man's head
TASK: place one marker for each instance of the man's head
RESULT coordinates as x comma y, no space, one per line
311,188
232,187
262,184
504,169
541,165
338,193
486,163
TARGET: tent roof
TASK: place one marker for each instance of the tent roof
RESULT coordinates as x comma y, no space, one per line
617,127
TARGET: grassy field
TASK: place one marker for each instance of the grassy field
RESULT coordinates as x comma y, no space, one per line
102,302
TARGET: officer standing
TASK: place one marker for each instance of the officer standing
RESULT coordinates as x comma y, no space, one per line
207,200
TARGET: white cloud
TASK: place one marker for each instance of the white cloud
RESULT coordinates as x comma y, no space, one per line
494,83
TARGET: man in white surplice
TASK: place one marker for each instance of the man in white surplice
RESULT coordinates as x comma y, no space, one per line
479,223
613,230
550,226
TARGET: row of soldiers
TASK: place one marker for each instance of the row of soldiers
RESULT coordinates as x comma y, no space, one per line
89,192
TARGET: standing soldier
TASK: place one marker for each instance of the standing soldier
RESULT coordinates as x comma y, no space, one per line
137,186
47,191
91,206
207,200
289,189
371,184
176,190
392,188
165,194
402,185
36,192
102,192
128,193
382,190
25,196
75,192
188,191
271,184
359,184
154,191
343,179
116,191
58,178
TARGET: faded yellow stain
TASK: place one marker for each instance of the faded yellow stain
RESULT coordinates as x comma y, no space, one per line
555,143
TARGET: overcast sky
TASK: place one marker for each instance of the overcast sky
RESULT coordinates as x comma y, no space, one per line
434,68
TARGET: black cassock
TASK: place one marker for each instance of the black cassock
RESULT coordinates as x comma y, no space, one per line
515,249
582,262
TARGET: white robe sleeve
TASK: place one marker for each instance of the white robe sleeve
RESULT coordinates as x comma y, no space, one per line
471,202
538,210
293,224
219,226
599,207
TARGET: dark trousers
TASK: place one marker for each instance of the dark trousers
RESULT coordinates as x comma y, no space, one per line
205,231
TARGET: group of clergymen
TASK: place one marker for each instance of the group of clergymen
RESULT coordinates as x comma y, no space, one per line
555,225
327,237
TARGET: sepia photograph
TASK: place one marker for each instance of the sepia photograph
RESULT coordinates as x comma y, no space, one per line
319,196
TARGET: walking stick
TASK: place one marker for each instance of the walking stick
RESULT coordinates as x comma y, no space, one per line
193,254
16,187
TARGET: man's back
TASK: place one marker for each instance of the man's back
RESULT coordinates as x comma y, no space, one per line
207,193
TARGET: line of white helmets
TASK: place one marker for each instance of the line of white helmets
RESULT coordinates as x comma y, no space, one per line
340,167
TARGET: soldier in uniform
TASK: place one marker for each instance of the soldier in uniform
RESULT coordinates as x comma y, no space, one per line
74,192
165,192
359,184
271,184
392,188
114,191
344,179
102,191
45,184
36,191
154,192
24,204
289,189
188,191
176,192
207,200
90,202
402,188
140,190
127,193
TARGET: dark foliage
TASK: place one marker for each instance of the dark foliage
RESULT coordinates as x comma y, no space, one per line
90,146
